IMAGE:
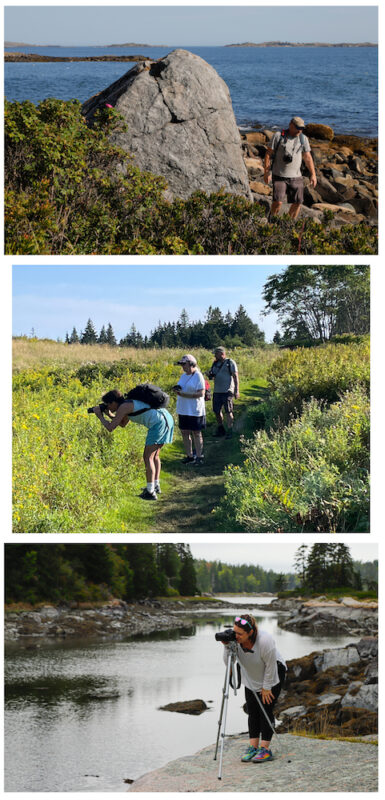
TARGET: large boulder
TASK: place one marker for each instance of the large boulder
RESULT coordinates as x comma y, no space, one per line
180,124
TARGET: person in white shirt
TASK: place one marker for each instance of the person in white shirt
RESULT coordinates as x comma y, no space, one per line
263,672
191,410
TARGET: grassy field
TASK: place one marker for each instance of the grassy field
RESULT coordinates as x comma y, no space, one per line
71,476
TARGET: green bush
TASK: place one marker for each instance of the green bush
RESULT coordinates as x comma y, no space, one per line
321,372
70,190
311,475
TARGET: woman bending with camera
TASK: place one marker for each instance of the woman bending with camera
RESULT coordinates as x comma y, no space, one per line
159,423
263,672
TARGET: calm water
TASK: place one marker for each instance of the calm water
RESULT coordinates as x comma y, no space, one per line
57,738
335,86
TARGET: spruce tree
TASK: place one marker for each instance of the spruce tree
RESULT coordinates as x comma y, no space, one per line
110,336
89,335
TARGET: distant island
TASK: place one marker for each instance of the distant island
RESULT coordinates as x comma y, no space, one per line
125,44
36,57
133,44
303,44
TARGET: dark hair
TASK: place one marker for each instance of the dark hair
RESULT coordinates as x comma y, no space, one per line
252,621
113,396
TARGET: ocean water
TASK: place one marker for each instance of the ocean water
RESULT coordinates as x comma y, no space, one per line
335,86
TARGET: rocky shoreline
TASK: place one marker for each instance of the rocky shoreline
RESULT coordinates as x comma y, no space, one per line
320,616
112,620
346,168
118,618
334,690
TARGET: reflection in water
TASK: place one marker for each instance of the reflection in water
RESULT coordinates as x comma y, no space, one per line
77,711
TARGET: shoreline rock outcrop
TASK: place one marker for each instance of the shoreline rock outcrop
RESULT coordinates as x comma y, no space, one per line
111,620
346,168
321,616
179,124
334,690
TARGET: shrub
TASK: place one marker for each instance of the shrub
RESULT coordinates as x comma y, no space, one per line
321,372
311,475
70,190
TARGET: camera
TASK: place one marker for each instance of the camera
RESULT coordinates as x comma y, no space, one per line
287,158
226,636
103,407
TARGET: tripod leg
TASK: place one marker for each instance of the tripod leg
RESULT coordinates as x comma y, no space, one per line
223,716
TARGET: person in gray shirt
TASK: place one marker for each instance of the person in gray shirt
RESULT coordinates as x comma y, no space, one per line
263,672
226,386
284,157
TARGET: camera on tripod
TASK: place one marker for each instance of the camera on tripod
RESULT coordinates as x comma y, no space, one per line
103,407
226,636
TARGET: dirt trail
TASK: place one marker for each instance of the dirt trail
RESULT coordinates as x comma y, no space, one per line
196,490
300,765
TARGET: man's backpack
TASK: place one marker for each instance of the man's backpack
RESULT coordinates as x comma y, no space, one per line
207,394
147,393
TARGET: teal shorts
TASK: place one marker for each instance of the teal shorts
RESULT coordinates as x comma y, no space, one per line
162,431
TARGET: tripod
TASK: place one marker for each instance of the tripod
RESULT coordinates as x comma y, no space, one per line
230,670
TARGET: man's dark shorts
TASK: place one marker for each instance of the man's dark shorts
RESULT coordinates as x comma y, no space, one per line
293,187
225,399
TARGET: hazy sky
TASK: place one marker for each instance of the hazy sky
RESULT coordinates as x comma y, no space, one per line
53,299
276,556
188,24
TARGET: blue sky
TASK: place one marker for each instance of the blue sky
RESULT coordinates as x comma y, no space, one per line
53,299
188,24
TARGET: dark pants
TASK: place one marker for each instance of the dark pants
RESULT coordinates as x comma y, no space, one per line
258,724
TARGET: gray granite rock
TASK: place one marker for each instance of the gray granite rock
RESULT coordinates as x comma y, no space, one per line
180,124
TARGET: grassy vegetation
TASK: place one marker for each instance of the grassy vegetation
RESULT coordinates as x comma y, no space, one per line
71,475
311,473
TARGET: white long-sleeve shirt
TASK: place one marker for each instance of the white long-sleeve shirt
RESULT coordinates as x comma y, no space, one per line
259,665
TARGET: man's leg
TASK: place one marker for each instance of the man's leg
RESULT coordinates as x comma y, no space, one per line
275,208
294,210
218,400
279,195
295,193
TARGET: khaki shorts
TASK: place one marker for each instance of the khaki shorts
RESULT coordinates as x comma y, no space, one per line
293,187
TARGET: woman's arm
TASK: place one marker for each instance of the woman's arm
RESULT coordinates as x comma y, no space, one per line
123,410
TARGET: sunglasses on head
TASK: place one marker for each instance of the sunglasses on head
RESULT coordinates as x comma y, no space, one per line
241,623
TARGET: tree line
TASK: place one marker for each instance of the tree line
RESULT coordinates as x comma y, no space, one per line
81,572
233,331
314,304
330,566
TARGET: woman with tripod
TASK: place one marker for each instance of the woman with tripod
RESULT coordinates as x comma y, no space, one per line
263,673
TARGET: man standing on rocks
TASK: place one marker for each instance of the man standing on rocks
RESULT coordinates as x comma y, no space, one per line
226,386
284,157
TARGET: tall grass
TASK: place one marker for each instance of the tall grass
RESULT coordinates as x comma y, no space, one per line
70,475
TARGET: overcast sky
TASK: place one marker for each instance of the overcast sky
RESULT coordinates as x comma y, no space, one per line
53,299
191,24
276,556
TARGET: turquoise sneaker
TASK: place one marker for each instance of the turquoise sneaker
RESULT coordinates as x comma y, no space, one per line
263,755
250,753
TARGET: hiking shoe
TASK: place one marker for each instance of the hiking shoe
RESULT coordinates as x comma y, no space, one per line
229,434
199,461
157,489
263,755
146,495
220,431
188,460
250,753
